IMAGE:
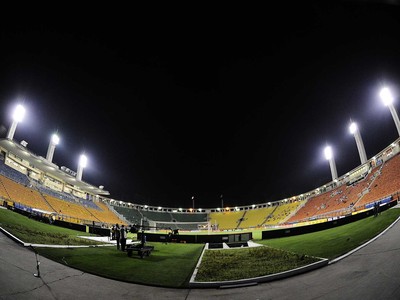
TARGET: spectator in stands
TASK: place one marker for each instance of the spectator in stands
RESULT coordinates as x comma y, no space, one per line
117,235
123,236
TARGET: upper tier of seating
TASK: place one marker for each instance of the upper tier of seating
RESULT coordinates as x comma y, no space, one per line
14,188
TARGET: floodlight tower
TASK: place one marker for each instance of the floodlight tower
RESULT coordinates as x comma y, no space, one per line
360,145
82,164
18,116
330,158
387,99
52,145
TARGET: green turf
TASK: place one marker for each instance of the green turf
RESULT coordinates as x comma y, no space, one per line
334,242
235,264
172,265
32,231
169,265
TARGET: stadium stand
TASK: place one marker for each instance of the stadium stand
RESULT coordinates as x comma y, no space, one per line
377,180
226,220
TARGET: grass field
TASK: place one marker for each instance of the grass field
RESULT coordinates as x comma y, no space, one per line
172,264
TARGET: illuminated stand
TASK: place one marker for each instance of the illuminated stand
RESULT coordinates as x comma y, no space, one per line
387,99
52,145
360,145
18,116
81,166
329,156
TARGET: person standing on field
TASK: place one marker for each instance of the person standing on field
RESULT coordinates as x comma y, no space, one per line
117,235
123,236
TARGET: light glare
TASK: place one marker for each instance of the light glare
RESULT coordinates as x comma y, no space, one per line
83,161
353,127
328,152
19,113
386,96
55,139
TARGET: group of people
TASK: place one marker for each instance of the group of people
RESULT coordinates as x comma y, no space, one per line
119,234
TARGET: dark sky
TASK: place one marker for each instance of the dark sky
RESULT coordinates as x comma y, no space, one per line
176,102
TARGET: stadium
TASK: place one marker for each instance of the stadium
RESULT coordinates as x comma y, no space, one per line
35,185
42,192
202,133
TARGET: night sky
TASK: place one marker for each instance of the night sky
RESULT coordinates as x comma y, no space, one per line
239,101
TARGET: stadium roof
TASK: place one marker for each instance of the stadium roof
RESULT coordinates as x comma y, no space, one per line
49,168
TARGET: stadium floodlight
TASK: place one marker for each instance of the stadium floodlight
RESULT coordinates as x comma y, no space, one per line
360,145
387,99
83,161
331,159
52,145
18,116
82,164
